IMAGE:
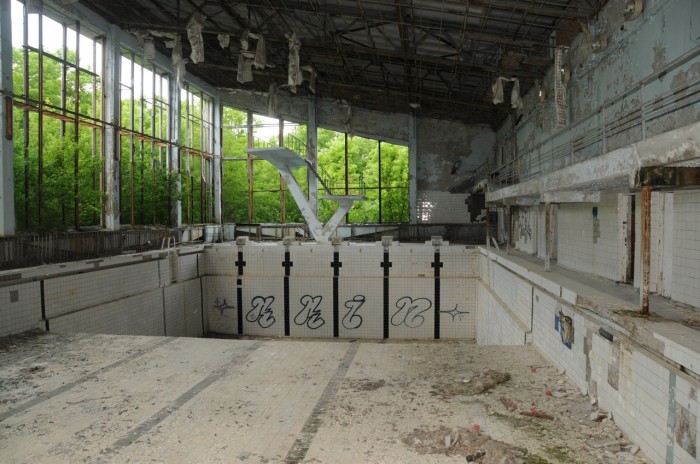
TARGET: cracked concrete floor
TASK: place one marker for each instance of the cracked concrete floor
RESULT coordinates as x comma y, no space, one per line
102,398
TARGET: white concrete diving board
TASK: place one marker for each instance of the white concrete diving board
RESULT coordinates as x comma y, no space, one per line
286,161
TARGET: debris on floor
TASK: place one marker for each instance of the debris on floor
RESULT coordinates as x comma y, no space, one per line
480,383
474,446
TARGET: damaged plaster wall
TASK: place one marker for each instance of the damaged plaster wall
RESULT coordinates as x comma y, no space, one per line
525,228
638,49
330,114
448,152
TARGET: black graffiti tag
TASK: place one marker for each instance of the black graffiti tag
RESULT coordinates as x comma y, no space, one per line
310,314
262,311
352,320
410,312
222,306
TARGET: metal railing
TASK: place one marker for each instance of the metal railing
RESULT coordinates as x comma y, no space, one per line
37,249
603,129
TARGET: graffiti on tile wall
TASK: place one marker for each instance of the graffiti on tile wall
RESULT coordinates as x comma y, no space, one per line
353,320
565,326
261,313
310,314
456,313
410,311
222,305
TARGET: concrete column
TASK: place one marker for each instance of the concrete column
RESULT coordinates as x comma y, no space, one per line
646,250
112,169
174,153
549,234
216,162
312,144
625,237
7,184
412,168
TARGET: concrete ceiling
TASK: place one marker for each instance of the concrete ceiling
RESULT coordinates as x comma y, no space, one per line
435,57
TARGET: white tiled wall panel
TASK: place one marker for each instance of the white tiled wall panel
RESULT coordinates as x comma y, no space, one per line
136,315
195,318
361,306
311,306
74,292
459,262
411,260
361,260
686,247
220,259
190,266
174,303
577,248
494,323
442,207
515,292
547,338
220,303
458,308
20,308
263,305
411,308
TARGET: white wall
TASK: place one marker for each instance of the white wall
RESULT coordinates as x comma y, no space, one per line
144,294
686,247
360,295
578,248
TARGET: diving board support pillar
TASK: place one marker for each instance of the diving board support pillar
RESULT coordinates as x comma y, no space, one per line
311,141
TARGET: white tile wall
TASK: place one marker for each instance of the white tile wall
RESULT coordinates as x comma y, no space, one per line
220,303
411,308
686,247
576,248
515,292
458,304
74,292
195,318
494,323
140,314
263,305
360,304
311,306
20,308
548,340
442,207
174,303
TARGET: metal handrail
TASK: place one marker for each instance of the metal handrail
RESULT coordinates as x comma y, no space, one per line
577,142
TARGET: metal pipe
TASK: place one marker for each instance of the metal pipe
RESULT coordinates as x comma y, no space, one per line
379,180
549,235
76,131
646,249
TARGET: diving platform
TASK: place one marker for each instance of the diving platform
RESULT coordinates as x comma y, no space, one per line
286,161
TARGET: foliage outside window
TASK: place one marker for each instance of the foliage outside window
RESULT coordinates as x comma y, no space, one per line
57,123
148,186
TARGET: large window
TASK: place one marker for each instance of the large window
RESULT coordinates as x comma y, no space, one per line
148,188
196,155
253,191
359,166
57,122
